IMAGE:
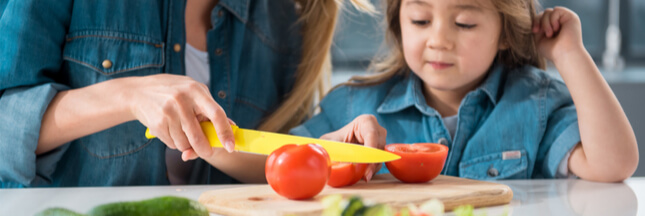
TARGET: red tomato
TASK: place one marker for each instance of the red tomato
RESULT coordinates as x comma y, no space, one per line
298,171
345,174
420,162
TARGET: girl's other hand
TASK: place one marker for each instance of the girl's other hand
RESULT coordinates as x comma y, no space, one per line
365,130
172,106
557,32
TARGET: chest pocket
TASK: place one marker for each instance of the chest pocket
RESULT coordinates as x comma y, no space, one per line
501,165
112,54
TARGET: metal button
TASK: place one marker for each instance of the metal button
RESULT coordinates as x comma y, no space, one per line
220,13
492,172
107,64
177,47
443,141
221,94
218,51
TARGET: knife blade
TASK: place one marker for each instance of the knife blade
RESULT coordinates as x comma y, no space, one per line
261,142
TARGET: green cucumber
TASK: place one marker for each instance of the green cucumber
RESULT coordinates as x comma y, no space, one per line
58,212
161,206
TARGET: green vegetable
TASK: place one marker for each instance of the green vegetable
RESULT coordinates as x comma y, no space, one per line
354,207
58,212
432,207
378,210
404,212
162,206
331,205
464,210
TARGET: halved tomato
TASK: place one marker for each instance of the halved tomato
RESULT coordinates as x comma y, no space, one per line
346,174
420,162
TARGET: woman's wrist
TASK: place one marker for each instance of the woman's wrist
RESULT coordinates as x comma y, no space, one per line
123,96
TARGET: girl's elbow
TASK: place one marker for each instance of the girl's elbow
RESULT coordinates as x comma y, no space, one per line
621,171
615,171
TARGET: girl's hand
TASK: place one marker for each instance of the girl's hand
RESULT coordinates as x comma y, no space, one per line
365,130
172,106
558,32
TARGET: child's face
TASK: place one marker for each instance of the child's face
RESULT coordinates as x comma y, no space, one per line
450,44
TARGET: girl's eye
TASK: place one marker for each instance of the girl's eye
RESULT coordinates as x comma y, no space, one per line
465,26
420,22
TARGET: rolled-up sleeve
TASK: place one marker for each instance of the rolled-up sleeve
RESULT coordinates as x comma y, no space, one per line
33,34
22,111
562,132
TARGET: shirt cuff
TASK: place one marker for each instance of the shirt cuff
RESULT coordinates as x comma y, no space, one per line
563,169
22,112
561,149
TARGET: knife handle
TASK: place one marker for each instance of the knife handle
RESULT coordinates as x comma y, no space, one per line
209,131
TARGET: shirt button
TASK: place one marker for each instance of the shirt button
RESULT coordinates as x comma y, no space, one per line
492,172
107,64
218,51
177,47
443,141
220,13
221,94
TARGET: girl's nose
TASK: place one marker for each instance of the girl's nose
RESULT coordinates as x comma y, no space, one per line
440,37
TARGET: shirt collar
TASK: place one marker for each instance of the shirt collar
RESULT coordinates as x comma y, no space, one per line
492,83
240,8
409,92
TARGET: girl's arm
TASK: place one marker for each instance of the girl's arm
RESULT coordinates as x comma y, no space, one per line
608,151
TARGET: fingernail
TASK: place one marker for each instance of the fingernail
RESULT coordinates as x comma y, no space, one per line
229,146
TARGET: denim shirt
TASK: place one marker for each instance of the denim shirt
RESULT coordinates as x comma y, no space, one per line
49,46
518,124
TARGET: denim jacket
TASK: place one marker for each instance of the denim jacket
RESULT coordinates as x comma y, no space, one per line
518,124
48,46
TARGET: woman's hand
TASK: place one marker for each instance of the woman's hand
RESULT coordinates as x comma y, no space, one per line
365,130
558,32
172,106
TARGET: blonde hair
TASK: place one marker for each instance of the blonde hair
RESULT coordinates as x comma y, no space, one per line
516,20
318,18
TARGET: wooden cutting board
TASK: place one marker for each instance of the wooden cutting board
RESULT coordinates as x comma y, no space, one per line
453,191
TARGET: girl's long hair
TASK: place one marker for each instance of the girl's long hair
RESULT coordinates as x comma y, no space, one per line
318,19
516,19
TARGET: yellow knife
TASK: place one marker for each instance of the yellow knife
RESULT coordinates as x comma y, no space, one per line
260,142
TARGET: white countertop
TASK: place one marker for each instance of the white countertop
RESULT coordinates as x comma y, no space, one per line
530,197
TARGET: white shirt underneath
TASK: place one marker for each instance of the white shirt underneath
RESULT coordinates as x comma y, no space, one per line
197,66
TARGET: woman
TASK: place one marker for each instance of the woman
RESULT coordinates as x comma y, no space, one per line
75,75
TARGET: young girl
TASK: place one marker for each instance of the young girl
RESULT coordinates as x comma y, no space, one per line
469,75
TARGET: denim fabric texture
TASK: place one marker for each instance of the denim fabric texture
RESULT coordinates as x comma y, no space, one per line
48,46
518,124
